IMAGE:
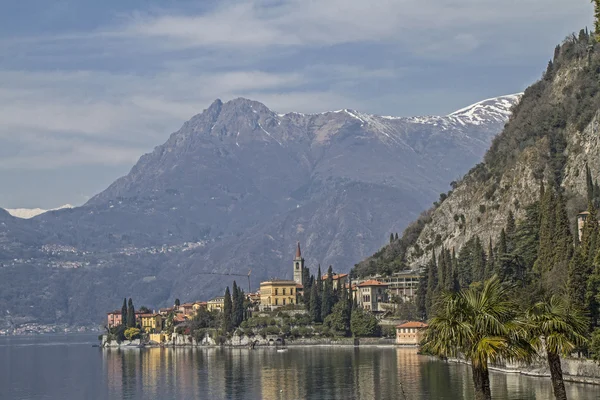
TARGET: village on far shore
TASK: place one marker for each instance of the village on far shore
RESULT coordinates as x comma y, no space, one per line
279,310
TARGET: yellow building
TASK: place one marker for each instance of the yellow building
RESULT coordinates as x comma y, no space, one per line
277,293
151,322
198,305
216,304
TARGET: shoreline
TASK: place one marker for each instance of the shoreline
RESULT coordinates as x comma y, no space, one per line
586,371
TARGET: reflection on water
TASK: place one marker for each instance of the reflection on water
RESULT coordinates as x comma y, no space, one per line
72,370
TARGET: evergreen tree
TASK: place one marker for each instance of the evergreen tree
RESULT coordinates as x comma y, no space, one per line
391,238
592,295
432,285
396,237
490,268
562,247
308,292
327,297
577,281
177,303
227,311
589,183
589,236
597,19
479,261
527,237
124,313
315,303
234,304
241,307
455,284
545,259
421,298
130,314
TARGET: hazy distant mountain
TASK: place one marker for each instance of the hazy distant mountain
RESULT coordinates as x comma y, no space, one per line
237,186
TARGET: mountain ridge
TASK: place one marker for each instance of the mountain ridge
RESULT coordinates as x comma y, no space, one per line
234,189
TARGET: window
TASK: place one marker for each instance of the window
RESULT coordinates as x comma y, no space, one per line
276,302
276,292
284,291
291,291
283,300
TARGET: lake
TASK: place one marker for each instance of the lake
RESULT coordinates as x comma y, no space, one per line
69,368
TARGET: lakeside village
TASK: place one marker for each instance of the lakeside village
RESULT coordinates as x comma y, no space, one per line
309,309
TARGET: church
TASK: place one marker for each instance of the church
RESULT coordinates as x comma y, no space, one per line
277,293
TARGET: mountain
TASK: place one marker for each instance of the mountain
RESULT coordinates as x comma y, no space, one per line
232,191
550,140
27,213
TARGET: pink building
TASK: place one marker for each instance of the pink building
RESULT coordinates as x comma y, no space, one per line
114,318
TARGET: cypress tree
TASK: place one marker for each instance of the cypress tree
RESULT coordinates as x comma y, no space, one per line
577,281
130,314
315,303
589,236
241,309
432,285
545,258
562,247
479,261
308,292
177,302
589,184
124,313
391,238
234,305
489,268
396,237
421,299
327,298
227,311
455,284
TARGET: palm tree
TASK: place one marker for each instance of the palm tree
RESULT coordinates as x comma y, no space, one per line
559,328
481,325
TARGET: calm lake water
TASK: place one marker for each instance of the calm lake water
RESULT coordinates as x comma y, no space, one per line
68,368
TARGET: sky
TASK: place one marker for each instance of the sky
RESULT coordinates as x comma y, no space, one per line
87,86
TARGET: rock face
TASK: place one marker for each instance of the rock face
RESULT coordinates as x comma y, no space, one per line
232,191
552,135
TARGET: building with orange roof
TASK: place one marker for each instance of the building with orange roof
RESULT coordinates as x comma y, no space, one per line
410,333
339,280
371,294
186,308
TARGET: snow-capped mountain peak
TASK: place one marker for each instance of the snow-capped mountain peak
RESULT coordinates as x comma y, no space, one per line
497,109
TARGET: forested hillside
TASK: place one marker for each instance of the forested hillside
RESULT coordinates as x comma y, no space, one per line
514,215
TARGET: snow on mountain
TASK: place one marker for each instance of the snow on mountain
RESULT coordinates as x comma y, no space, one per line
496,109
27,213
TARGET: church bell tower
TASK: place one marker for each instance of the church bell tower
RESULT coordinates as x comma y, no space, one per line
298,265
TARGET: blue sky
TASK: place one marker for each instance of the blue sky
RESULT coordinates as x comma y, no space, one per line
88,86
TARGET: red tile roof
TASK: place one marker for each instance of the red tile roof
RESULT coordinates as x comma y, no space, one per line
413,324
298,252
372,282
114,312
336,276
